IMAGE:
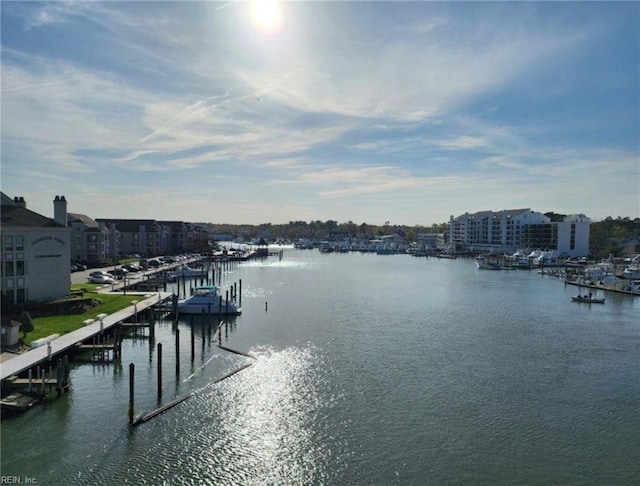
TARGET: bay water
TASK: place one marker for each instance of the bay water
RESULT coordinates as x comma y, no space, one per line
368,369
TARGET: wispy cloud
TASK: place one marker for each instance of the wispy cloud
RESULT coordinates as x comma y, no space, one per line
420,108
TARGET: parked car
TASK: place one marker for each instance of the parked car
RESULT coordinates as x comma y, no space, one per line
118,273
154,263
97,273
103,279
132,267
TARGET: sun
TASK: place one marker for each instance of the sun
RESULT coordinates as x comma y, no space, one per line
266,15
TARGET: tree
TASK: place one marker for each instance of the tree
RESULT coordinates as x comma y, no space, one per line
27,323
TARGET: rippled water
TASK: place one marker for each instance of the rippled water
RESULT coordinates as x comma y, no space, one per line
368,370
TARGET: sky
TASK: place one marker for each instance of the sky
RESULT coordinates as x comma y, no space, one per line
371,112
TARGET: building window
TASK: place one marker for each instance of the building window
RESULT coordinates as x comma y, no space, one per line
20,268
19,243
8,243
8,269
21,296
9,295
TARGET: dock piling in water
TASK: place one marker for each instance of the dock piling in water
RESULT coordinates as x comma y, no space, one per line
59,377
193,342
159,370
132,368
177,352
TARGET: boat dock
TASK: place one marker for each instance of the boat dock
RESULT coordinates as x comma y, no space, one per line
627,288
44,354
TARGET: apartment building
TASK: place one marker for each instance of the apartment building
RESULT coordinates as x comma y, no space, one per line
513,229
36,252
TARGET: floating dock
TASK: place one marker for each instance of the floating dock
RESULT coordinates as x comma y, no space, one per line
19,402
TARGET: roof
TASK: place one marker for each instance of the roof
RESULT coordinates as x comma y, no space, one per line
73,217
130,225
14,215
504,213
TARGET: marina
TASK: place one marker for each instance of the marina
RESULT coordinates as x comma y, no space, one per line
470,375
43,354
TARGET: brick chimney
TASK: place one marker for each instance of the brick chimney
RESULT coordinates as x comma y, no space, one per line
20,201
60,210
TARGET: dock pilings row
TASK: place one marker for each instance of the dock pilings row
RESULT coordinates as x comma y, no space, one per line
206,324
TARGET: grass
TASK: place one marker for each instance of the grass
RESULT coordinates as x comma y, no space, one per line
62,324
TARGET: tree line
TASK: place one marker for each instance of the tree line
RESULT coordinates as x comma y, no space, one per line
610,235
318,230
606,237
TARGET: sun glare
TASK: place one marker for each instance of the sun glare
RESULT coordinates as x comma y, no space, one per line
266,15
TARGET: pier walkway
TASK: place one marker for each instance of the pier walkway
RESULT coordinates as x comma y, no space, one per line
25,361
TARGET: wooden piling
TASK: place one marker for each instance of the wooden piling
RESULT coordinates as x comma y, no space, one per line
193,342
67,372
131,390
240,296
152,325
177,352
226,304
202,322
159,370
59,377
175,307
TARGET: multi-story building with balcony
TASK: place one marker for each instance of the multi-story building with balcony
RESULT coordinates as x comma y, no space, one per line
144,237
90,243
513,229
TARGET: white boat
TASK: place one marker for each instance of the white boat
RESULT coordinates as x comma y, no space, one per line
599,271
632,272
207,299
485,264
186,272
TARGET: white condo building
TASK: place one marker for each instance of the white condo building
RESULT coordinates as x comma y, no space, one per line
36,252
513,229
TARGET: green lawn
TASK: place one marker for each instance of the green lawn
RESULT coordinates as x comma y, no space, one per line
45,326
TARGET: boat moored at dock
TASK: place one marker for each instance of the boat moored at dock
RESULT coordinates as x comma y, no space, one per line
485,264
186,272
207,299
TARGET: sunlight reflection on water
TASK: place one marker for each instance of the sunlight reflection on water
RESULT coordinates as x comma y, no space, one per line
261,426
269,418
